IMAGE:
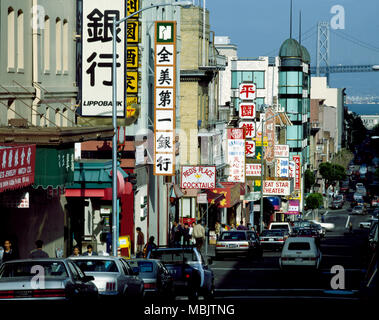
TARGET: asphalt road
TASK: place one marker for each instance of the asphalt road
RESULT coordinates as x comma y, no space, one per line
262,279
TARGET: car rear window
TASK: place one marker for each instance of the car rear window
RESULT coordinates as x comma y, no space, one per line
272,233
279,226
171,256
96,265
233,236
303,246
145,266
29,269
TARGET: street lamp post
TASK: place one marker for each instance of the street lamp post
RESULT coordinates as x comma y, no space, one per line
114,116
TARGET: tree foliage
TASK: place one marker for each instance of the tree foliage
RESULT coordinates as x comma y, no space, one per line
314,201
332,172
310,179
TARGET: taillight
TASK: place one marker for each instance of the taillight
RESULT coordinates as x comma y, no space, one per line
6,294
49,293
188,276
244,245
149,285
284,259
220,245
281,239
111,286
312,258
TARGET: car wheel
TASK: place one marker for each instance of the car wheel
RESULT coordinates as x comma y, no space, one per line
209,295
194,295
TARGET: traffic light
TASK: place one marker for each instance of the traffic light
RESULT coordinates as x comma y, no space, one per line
132,178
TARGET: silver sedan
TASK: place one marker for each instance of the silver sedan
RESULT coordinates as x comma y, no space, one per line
113,276
44,280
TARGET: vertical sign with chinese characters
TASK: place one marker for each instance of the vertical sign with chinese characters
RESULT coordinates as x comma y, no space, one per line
97,52
132,58
236,154
296,159
165,97
270,133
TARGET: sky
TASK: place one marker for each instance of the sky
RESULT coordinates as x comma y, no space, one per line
259,27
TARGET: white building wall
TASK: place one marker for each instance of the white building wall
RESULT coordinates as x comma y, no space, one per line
333,98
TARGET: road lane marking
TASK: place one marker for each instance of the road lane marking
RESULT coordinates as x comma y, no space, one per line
326,213
347,222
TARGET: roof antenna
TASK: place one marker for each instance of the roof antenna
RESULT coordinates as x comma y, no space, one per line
291,21
300,28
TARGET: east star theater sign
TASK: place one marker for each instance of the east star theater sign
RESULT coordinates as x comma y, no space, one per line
278,188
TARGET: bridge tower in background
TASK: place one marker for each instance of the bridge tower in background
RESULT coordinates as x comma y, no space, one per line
323,54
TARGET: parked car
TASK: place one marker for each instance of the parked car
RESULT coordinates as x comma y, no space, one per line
281,225
113,276
191,275
273,239
358,210
238,243
63,281
300,252
156,278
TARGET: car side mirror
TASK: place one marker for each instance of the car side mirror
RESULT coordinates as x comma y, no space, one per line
88,278
136,271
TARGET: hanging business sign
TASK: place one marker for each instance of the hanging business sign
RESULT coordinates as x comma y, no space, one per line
165,98
247,91
198,177
253,169
97,52
269,128
17,166
291,169
247,110
281,167
293,206
296,159
277,188
236,154
249,128
281,151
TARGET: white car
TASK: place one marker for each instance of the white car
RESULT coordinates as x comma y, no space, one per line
326,225
281,226
365,224
300,252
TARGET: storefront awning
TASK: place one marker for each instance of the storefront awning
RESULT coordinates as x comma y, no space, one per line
231,194
94,179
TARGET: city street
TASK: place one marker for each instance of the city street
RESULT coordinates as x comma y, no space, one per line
243,279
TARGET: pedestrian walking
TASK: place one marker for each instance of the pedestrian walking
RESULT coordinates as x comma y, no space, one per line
75,252
218,229
241,226
198,234
140,242
350,227
90,251
186,235
38,252
150,245
9,253
176,234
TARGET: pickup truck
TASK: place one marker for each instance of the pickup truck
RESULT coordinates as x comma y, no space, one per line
192,276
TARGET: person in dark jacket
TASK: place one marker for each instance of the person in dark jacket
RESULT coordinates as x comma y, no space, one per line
150,245
9,253
186,235
90,251
38,252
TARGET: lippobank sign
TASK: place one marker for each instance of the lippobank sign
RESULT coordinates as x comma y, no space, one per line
198,177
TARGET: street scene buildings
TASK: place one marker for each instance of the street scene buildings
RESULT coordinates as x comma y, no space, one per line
203,135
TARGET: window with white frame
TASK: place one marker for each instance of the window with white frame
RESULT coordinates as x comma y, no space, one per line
20,41
65,46
11,40
46,45
58,45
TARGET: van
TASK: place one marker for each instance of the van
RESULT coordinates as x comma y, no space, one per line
281,226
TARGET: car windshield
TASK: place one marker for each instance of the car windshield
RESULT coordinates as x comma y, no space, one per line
233,236
299,246
174,256
96,265
358,208
30,268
